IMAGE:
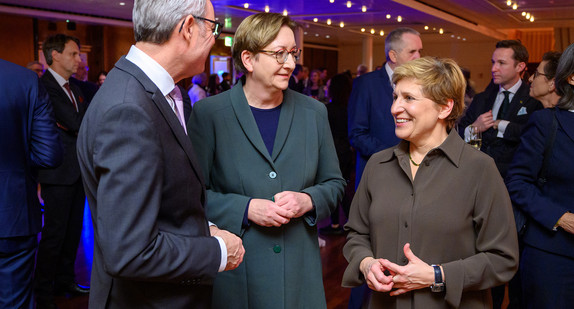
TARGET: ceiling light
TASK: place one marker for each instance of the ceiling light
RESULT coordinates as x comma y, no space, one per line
399,19
372,31
285,13
514,6
452,36
246,5
332,1
426,27
382,33
527,15
440,31
316,34
315,19
328,36
458,38
266,9
122,3
433,28
388,16
531,18
349,4
342,24
305,33
329,21
523,13
464,39
509,3
364,9
362,29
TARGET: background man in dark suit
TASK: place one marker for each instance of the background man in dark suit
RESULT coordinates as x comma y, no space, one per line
371,125
296,79
153,246
29,141
500,113
501,120
62,189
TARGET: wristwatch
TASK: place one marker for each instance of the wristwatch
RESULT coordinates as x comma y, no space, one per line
438,285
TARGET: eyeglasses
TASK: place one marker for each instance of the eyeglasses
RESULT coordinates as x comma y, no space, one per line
536,74
282,54
216,28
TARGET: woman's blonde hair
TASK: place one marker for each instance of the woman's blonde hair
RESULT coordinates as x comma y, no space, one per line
440,79
255,32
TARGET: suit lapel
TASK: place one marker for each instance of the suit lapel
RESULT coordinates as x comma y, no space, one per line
518,100
566,120
246,119
285,121
163,106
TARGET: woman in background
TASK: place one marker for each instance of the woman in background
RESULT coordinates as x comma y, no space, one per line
315,88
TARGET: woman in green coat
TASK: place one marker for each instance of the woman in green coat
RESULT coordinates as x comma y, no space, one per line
271,172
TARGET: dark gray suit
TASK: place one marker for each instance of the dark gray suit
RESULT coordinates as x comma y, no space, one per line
146,195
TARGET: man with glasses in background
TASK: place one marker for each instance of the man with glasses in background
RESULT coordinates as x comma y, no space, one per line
153,245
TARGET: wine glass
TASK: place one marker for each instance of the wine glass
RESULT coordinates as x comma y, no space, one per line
475,139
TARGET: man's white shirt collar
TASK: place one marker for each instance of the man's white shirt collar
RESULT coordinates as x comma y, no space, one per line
153,70
61,81
512,89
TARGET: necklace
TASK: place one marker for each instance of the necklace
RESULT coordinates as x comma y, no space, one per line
412,161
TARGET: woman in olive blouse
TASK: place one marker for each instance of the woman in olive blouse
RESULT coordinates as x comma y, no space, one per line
431,224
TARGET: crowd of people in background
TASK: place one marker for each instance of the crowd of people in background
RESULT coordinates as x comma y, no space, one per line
477,220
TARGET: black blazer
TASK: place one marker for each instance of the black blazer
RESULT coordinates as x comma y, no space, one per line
152,247
521,107
68,121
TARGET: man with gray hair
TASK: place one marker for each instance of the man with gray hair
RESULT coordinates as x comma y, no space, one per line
153,246
371,124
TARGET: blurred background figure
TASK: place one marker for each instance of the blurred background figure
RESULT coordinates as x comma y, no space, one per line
80,79
213,87
340,87
469,92
102,78
315,88
270,170
29,141
431,211
542,83
296,79
362,69
226,81
540,182
197,90
82,72
36,67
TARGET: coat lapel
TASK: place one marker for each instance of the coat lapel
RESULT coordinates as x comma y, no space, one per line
247,121
566,120
165,110
518,100
285,121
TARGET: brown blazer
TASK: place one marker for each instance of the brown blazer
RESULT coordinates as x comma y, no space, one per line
456,213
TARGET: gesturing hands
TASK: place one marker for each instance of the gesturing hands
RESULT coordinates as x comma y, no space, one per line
234,244
413,276
286,205
484,121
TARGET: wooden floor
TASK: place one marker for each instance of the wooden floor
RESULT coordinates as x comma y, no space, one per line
331,255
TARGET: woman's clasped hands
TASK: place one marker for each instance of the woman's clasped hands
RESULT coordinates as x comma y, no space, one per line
384,276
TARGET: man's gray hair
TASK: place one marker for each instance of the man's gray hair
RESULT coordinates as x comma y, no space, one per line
155,20
394,40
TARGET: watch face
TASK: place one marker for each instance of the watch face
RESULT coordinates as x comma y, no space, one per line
437,287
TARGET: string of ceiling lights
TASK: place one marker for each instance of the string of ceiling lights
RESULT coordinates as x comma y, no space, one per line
372,31
525,14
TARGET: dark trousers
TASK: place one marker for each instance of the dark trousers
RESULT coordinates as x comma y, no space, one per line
547,279
63,216
16,270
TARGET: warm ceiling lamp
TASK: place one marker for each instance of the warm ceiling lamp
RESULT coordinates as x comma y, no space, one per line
527,15
531,19
426,27
342,24
332,1
246,5
399,19
285,13
372,31
315,19
440,31
362,29
509,3
364,8
329,21
122,3
382,33
349,4
388,16
266,9
523,13
514,6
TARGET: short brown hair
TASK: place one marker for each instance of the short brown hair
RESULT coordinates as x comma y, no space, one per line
440,79
520,52
255,32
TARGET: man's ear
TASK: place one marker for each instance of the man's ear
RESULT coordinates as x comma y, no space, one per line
393,56
187,28
520,67
247,58
55,55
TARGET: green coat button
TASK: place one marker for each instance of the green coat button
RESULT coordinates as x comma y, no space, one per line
276,248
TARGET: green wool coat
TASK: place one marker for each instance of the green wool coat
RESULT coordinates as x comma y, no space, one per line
282,265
